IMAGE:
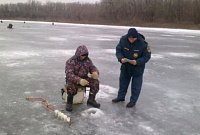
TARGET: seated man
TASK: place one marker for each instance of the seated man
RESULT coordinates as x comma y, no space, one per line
10,26
77,69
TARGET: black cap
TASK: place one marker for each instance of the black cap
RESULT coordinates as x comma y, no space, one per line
132,33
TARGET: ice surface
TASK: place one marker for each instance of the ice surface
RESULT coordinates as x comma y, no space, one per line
33,57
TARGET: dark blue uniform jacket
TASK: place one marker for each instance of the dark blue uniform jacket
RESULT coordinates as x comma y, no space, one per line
139,51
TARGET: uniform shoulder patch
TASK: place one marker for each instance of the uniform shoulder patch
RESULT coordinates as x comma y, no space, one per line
145,41
148,49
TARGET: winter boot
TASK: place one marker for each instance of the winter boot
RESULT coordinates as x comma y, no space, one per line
91,101
130,104
116,100
69,103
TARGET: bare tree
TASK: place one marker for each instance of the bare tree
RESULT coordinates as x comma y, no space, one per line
122,12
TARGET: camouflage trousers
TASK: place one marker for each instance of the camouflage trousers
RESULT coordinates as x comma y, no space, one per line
72,88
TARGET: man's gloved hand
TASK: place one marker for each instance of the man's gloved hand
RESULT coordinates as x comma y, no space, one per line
94,75
84,82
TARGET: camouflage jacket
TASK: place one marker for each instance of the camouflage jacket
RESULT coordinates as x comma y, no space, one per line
76,69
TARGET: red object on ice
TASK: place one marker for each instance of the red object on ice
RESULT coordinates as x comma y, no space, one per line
47,106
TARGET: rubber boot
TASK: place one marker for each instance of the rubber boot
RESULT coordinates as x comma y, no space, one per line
91,101
69,103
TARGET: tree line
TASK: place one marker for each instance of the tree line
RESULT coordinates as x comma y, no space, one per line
121,12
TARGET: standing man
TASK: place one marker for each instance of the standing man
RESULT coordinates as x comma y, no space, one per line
132,52
76,70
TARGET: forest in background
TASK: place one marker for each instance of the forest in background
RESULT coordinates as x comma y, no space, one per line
145,13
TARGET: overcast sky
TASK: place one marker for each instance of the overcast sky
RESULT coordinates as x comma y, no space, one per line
43,1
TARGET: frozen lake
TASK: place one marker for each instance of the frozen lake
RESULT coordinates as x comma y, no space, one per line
32,62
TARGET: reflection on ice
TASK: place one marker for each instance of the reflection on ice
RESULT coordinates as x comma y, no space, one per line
189,55
112,51
57,39
157,56
39,91
18,54
27,92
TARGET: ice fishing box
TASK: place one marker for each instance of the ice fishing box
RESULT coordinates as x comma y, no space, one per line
79,97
